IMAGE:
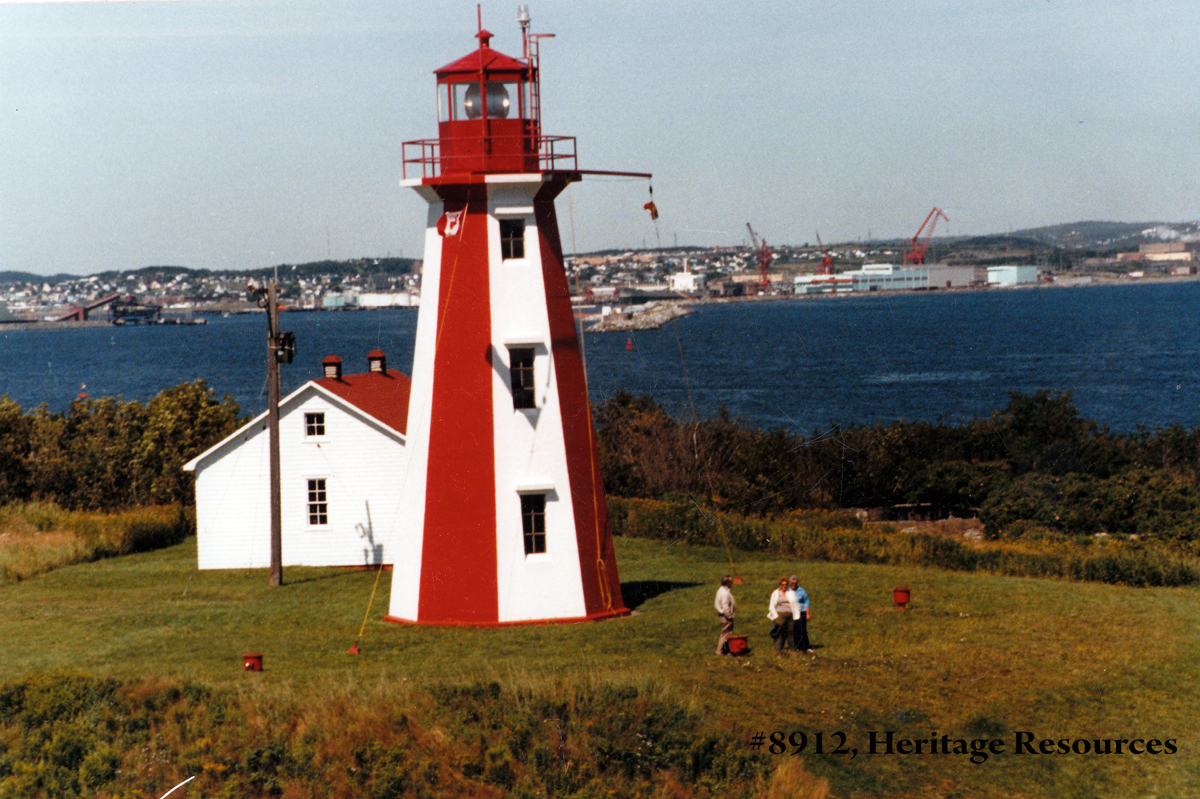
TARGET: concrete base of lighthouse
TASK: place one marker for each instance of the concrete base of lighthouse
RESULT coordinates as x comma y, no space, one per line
503,513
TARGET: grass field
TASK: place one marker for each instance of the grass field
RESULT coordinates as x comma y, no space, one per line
976,657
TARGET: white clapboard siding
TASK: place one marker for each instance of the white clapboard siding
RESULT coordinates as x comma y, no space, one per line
361,460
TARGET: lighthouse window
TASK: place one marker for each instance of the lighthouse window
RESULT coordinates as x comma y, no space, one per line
466,101
318,502
314,424
512,238
520,368
533,519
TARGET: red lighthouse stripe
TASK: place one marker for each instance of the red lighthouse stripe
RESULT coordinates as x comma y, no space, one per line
458,558
597,561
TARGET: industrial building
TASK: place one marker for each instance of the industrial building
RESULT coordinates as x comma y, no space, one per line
1011,275
889,277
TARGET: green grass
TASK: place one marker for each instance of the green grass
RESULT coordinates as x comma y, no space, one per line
975,656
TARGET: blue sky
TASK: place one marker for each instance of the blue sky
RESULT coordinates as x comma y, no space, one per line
243,134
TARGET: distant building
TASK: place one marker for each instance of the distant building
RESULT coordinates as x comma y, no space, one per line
1164,251
343,451
1170,251
724,287
890,277
401,299
823,284
687,281
1011,275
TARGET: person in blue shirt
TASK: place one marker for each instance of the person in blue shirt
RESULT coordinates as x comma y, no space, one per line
800,626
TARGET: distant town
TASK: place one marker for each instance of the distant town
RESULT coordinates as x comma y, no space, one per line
1063,254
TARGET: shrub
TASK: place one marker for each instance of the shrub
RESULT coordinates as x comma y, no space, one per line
74,736
109,453
1027,551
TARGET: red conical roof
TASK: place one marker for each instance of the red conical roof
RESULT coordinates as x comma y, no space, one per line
486,59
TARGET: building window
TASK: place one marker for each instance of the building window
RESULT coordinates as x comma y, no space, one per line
318,502
520,369
314,424
512,238
533,519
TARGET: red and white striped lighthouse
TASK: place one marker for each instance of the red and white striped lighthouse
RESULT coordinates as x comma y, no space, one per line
503,506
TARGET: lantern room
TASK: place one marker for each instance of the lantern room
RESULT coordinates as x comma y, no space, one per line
485,113
489,116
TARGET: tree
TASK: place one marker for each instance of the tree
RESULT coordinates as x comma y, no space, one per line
181,422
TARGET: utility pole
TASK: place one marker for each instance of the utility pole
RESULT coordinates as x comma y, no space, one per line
281,348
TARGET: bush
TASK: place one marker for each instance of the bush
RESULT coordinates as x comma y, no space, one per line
78,736
1148,503
1036,462
107,453
1028,551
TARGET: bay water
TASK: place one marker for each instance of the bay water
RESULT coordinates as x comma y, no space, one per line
1130,354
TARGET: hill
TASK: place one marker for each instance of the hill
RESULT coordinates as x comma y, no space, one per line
1109,236
1057,246
1031,244
336,270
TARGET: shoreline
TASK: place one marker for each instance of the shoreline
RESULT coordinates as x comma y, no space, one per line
1068,283
221,309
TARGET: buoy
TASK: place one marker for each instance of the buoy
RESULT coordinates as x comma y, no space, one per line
628,343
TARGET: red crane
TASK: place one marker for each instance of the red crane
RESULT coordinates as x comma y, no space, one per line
826,267
915,253
764,261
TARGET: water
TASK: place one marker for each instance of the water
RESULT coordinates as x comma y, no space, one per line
137,362
1130,354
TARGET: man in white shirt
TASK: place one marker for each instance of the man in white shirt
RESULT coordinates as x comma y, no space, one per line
726,606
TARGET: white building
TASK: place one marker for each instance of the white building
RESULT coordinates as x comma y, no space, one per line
399,299
687,280
342,453
890,277
1011,275
822,284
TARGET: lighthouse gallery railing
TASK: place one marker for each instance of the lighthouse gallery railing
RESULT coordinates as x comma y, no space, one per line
423,158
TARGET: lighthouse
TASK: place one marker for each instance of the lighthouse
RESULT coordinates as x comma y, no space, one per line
503,519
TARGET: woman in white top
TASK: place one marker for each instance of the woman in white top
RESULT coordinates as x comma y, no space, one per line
783,609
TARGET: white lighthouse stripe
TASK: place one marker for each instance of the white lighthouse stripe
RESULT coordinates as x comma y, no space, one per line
406,575
529,445
516,177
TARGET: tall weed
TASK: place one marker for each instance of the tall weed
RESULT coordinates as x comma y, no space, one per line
38,537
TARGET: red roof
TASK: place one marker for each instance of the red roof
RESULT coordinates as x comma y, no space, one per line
484,58
382,395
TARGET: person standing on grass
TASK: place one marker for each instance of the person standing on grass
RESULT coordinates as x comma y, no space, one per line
783,610
726,607
800,625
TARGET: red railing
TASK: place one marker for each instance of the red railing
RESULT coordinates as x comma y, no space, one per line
423,158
